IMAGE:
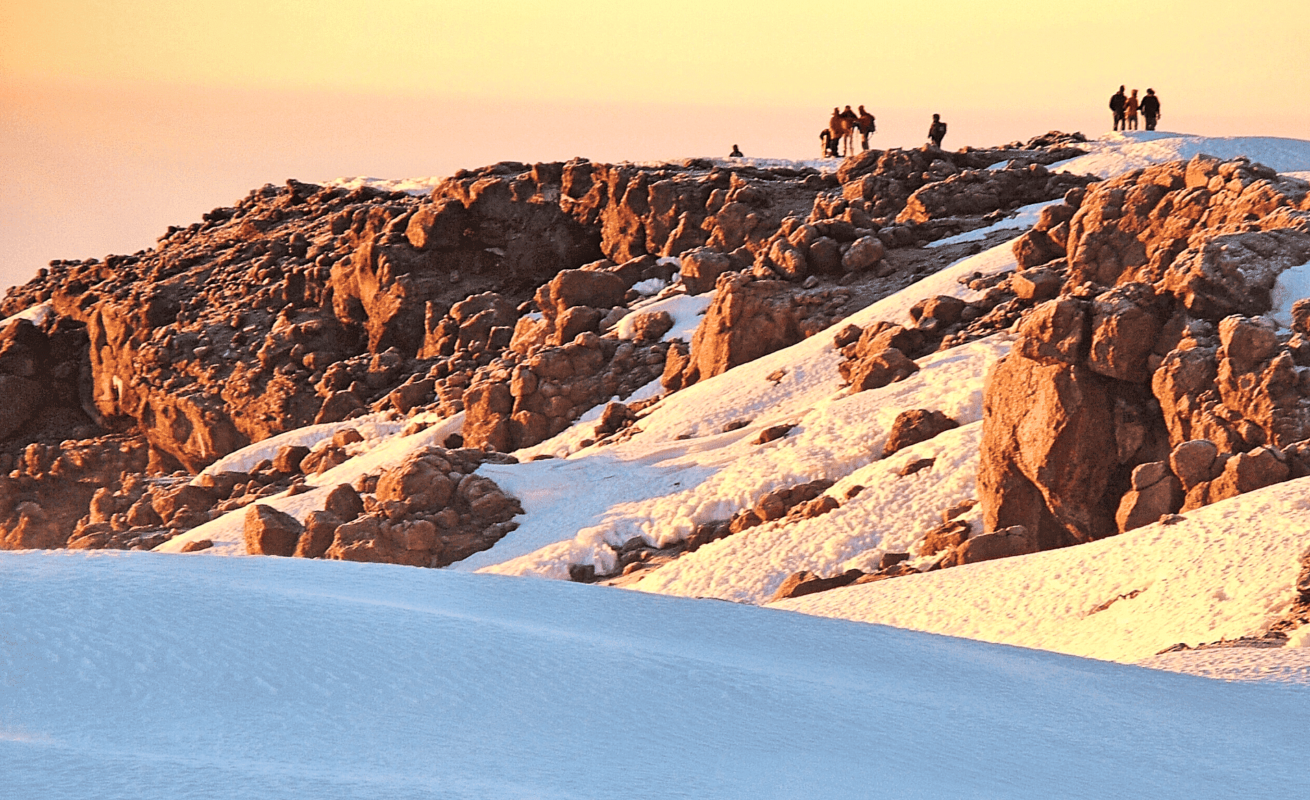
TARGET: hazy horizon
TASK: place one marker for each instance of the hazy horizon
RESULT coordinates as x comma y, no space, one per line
118,120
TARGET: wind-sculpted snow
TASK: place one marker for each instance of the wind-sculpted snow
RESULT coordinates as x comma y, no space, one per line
156,677
1290,664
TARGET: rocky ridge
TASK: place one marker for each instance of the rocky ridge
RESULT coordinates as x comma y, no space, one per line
496,295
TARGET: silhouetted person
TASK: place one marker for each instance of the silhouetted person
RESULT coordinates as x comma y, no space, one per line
1117,103
1150,109
841,128
937,131
867,126
736,152
829,143
1130,112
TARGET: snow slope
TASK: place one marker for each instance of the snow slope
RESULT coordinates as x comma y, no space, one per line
130,675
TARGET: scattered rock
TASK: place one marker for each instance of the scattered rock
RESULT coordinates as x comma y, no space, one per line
914,426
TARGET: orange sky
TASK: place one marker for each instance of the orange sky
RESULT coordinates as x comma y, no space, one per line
129,116
1006,53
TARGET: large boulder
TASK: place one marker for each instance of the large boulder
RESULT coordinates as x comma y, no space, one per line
1048,451
1156,493
1005,543
701,267
269,532
747,319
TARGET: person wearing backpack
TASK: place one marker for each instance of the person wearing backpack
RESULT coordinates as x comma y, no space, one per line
866,124
1150,109
937,131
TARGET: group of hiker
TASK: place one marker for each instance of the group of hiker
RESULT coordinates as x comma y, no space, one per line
843,124
1126,107
839,136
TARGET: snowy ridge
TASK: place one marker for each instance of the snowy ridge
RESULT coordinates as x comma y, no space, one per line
681,469
1117,153
156,676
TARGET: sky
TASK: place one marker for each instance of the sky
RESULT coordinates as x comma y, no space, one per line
118,119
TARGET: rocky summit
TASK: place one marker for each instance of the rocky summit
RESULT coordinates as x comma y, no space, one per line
1142,381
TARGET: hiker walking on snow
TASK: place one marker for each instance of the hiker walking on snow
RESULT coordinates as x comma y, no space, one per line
1130,113
1150,109
866,124
937,131
1117,103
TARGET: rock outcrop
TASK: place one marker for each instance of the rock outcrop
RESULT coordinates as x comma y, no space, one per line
304,303
429,511
1091,423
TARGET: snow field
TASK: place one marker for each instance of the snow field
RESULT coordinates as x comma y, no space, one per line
137,675
890,515
1251,664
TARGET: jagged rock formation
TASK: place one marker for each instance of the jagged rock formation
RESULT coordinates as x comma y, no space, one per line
305,303
1090,422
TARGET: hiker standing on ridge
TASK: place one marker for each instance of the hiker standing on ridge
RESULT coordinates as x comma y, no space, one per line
937,131
1117,103
736,152
835,126
1130,112
867,126
1150,109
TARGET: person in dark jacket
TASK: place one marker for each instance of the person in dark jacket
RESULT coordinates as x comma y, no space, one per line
937,131
1150,109
867,125
736,152
1117,102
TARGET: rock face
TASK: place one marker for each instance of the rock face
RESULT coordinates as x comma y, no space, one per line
304,303
52,487
1142,354
981,191
521,401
